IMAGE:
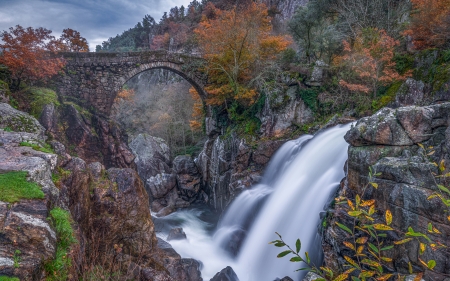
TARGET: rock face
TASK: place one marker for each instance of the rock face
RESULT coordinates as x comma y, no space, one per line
168,189
176,234
389,142
89,136
410,93
226,274
278,116
27,240
229,166
284,10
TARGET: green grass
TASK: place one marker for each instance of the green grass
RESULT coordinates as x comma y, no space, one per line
6,278
15,187
39,98
58,268
45,148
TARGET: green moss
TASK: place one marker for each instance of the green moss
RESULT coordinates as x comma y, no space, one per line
44,148
7,278
388,96
39,97
58,268
15,187
309,96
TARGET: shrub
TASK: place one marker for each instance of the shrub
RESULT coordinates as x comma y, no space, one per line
39,97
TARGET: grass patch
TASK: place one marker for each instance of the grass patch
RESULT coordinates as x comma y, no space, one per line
7,278
15,187
45,148
39,97
58,269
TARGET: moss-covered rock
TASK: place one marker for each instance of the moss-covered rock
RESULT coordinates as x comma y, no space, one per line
18,121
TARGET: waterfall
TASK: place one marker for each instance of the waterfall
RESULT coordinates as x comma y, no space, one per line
299,181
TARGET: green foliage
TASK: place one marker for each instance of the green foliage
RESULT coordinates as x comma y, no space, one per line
433,68
17,258
60,175
57,269
43,148
14,186
387,96
288,56
7,278
403,63
8,129
39,97
309,96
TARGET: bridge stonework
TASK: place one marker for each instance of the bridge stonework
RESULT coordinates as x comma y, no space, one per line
93,80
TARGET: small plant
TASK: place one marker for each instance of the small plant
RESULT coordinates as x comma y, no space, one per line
7,278
14,186
17,258
44,148
58,268
7,129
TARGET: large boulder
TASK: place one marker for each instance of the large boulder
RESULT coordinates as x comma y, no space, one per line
188,177
391,143
410,93
226,274
14,120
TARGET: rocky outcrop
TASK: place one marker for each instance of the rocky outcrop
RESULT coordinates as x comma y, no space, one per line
18,121
410,93
283,11
389,143
27,239
229,165
92,137
226,274
176,234
286,112
168,189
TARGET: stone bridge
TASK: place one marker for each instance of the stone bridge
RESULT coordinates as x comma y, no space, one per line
94,79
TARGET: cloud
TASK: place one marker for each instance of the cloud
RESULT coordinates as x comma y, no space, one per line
96,20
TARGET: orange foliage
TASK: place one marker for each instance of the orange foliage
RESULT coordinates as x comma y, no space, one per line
430,23
237,44
73,42
371,59
198,112
160,42
124,94
26,53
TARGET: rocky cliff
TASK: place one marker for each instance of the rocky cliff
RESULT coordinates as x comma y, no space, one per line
402,145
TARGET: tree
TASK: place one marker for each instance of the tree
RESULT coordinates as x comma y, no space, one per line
371,60
73,42
237,45
27,53
430,23
316,35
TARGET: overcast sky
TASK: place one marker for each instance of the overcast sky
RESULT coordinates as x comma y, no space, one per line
96,20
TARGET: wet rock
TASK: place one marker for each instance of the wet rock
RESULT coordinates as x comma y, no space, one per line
311,276
176,234
226,274
410,93
19,121
188,177
152,155
160,185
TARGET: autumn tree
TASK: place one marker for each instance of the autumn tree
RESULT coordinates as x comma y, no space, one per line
27,52
73,42
237,45
430,23
371,60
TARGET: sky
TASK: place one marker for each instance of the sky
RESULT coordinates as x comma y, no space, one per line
96,20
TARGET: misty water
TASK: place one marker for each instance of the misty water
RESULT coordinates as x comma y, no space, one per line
298,183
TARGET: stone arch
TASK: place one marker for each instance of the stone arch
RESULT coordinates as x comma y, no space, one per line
173,67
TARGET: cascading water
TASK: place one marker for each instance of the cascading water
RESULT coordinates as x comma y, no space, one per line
299,181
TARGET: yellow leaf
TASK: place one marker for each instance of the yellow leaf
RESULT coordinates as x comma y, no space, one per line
403,241
372,210
341,277
431,153
386,259
350,261
388,217
366,274
435,230
367,203
349,245
350,204
348,271
374,184
448,218
360,249
358,200
442,165
379,226
384,277
421,145
423,247
362,240
418,277
423,263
